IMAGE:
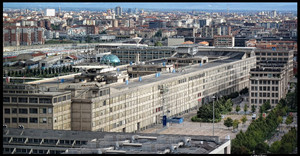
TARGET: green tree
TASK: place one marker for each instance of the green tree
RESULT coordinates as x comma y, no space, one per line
253,108
286,148
289,120
244,119
267,105
158,33
237,108
158,43
261,148
228,122
88,39
235,124
279,120
245,108
275,147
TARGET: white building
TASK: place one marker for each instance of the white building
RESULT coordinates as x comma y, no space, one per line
50,12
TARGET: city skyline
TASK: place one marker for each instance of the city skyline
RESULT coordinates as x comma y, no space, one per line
146,5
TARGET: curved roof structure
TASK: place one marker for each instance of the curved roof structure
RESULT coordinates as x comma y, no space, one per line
110,59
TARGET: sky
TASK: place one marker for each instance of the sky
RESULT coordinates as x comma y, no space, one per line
146,5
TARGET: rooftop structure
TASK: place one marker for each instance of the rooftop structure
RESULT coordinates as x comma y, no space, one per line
34,141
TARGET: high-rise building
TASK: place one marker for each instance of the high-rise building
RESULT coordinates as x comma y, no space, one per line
273,14
118,11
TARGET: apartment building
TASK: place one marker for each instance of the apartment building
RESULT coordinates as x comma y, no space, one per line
31,107
16,36
224,41
277,55
268,82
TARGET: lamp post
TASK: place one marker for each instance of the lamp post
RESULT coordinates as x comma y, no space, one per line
213,97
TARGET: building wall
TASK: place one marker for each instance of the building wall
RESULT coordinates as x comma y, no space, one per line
128,55
137,108
221,149
53,114
262,55
267,85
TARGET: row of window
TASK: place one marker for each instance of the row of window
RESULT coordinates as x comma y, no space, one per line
25,111
264,88
264,94
35,100
261,101
265,81
25,120
18,92
274,59
269,54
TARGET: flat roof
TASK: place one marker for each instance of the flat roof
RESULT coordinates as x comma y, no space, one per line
167,75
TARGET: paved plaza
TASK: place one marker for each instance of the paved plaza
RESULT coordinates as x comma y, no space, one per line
200,128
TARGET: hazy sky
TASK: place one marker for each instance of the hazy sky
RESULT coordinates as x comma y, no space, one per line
146,5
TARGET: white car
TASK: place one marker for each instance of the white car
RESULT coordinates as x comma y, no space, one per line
253,116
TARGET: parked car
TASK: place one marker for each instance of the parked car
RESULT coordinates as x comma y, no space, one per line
253,116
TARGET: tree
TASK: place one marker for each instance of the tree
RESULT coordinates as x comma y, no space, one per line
88,39
289,120
286,148
237,108
244,119
261,148
158,33
267,105
245,108
279,120
235,123
253,108
228,122
228,105
275,147
158,44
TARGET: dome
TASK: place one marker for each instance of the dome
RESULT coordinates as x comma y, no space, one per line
110,59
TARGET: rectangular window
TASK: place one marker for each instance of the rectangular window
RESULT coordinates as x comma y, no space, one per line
7,111
43,110
23,120
33,110
45,100
64,98
14,99
14,110
7,120
49,110
68,97
33,100
43,120
14,120
23,110
6,99
55,100
23,100
33,120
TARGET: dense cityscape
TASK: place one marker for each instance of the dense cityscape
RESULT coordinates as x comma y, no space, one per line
135,78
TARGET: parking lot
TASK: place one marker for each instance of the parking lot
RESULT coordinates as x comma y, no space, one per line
200,128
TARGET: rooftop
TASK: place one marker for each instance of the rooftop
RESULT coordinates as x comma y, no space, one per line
110,142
